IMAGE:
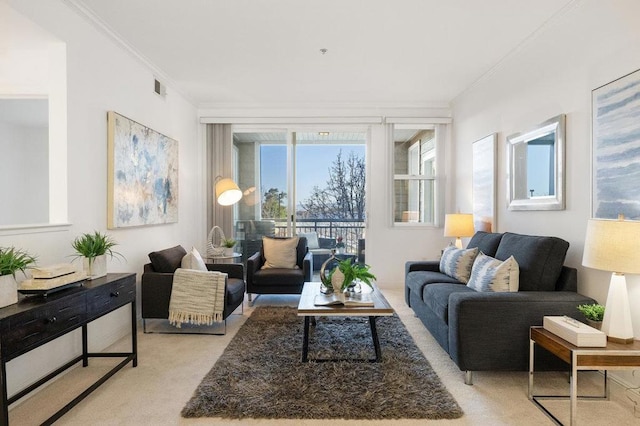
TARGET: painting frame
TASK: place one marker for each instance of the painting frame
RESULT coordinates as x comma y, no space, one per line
142,174
484,152
615,148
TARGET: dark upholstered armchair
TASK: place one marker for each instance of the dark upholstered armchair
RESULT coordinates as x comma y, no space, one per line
279,280
157,282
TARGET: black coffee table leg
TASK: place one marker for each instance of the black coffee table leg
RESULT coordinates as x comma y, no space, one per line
305,341
374,336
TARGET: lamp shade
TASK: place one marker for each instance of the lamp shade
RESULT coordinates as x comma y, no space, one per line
458,225
227,192
612,245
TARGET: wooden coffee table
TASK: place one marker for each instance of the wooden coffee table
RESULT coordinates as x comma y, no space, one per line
308,310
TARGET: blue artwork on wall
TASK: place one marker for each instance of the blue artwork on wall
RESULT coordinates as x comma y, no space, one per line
142,175
616,148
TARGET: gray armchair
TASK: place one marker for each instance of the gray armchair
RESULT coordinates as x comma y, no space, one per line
279,280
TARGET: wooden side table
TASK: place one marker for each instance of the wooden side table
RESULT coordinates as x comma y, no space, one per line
615,356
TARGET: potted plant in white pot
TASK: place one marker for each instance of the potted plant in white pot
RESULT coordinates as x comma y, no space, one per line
228,244
94,249
12,260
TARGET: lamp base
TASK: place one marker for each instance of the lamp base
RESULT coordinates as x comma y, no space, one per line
621,340
617,324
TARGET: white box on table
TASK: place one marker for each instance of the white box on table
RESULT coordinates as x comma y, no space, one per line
574,331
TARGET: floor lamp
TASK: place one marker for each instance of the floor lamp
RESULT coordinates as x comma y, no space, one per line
614,246
458,225
227,191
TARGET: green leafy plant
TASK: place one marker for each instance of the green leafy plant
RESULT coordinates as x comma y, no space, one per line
228,242
352,271
93,245
13,260
593,312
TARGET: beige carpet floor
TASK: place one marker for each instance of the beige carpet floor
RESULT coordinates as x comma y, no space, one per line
171,367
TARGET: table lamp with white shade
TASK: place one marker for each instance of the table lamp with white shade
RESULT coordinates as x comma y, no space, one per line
458,225
614,246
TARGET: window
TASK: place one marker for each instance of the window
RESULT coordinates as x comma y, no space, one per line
415,177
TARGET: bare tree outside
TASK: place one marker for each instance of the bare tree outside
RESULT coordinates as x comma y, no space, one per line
343,196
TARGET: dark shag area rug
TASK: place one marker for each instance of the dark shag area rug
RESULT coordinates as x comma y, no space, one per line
260,373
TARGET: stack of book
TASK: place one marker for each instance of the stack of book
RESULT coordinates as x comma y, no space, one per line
52,277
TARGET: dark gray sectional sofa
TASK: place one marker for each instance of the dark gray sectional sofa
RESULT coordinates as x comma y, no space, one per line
489,331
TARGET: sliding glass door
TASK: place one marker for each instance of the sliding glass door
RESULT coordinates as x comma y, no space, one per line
300,182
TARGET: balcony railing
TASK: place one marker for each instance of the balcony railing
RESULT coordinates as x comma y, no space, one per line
351,230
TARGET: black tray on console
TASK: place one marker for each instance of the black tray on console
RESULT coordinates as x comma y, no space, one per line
46,292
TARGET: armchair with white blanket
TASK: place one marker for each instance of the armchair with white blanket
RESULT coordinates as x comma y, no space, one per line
158,281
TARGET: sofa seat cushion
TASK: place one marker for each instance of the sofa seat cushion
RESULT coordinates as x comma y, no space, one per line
418,279
436,297
235,291
540,259
320,252
276,277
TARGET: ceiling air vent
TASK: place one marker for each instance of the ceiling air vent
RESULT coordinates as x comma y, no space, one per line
159,88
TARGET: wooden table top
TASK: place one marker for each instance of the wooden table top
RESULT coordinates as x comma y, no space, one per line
310,290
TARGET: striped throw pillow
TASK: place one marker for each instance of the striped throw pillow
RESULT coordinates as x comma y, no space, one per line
457,263
489,274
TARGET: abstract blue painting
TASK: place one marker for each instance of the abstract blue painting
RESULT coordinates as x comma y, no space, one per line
616,148
142,175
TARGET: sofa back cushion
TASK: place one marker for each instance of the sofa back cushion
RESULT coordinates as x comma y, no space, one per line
487,242
167,260
540,259
312,239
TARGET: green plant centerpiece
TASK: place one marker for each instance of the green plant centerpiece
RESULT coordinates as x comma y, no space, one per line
13,260
593,312
346,274
94,248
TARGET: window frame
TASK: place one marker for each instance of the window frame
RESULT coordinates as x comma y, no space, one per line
441,132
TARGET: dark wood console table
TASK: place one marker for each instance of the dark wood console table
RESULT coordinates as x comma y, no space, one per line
36,320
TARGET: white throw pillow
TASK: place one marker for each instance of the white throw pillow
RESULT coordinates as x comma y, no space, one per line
457,262
280,252
312,239
193,260
489,274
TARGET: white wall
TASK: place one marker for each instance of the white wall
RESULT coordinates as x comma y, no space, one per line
101,76
594,43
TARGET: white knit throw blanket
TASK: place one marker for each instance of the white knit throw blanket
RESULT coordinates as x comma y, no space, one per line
197,297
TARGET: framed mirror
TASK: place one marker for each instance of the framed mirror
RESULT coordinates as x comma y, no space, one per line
535,167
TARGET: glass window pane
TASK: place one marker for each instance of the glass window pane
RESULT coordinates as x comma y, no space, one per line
414,200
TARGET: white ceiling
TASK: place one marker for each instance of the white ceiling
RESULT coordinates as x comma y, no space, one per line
267,53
